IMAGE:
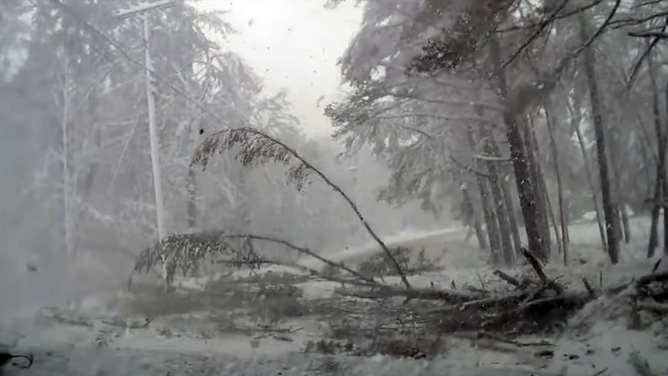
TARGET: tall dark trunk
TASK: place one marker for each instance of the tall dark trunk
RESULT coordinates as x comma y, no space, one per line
542,196
526,186
510,209
599,130
560,191
616,179
550,212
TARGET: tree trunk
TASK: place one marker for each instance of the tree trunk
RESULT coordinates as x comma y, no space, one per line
490,218
497,195
560,192
659,191
625,224
480,235
576,116
526,186
599,130
542,196
664,203
616,180
67,189
494,234
192,200
510,208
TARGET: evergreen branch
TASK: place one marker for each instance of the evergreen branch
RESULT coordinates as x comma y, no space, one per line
303,250
258,148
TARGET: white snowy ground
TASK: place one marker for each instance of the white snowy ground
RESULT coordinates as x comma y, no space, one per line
605,347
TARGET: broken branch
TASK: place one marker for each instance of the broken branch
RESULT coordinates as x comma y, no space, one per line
508,278
653,306
305,251
425,294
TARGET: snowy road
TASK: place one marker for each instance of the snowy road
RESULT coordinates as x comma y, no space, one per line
109,362
402,239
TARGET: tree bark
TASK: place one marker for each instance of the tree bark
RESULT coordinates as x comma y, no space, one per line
560,192
613,146
492,224
542,196
497,196
664,205
550,211
510,208
599,130
68,191
526,186
192,200
490,218
659,191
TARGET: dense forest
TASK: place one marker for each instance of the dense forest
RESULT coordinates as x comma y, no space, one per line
532,113
495,167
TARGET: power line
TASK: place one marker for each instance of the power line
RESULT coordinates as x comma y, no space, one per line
111,42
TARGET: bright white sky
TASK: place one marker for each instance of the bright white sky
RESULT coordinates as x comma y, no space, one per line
294,45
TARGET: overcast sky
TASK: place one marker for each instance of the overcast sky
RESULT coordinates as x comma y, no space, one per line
294,44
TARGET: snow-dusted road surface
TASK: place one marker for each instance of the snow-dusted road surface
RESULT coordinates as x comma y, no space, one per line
406,238
108,362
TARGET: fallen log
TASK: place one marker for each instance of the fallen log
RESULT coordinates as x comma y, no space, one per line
653,306
508,278
538,268
480,303
640,281
385,292
312,272
486,334
654,277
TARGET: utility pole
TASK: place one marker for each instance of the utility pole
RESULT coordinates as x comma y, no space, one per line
143,10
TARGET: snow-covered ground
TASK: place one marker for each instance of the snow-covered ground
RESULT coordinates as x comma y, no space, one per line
101,339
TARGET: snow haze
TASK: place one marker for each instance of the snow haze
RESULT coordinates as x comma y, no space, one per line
294,45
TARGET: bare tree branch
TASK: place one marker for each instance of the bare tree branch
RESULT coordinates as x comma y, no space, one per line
417,131
536,34
645,54
552,19
649,34
469,168
312,272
